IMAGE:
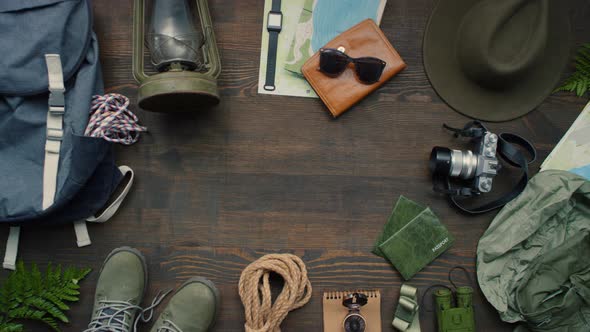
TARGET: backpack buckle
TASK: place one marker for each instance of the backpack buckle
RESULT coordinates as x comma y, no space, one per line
57,110
56,97
54,134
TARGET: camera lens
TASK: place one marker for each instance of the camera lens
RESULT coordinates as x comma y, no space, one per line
440,161
453,163
354,323
463,164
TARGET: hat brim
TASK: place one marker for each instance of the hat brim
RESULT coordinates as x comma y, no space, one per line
466,96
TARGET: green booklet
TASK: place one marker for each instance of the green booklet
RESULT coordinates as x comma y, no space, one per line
404,211
412,238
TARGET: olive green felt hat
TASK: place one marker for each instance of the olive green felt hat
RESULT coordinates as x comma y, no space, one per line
496,60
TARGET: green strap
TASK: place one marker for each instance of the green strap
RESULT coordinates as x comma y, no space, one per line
407,316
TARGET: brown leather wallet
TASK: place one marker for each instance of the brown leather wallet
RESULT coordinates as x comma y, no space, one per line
341,92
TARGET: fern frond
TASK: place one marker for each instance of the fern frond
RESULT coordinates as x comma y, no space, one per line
36,279
46,307
11,327
55,299
28,294
53,275
25,313
81,274
52,323
579,81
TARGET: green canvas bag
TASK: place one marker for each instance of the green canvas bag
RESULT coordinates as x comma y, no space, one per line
533,262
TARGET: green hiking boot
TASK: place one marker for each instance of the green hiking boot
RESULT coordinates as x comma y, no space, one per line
119,291
192,308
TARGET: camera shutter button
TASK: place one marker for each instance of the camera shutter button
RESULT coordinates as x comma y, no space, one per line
486,185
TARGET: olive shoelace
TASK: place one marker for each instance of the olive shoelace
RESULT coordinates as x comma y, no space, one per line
116,316
169,326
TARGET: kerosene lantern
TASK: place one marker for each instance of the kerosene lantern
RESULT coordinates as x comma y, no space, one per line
186,59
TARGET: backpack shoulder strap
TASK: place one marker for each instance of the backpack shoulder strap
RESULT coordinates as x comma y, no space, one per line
55,115
55,132
11,248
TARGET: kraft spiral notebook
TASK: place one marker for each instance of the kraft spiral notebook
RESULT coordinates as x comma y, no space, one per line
335,312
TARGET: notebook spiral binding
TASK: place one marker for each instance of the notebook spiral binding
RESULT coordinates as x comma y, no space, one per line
339,295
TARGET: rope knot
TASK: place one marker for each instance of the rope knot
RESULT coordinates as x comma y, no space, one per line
111,120
254,287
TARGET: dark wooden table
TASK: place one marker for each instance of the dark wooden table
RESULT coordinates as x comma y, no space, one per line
259,174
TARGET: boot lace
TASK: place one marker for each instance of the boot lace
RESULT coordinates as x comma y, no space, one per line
168,326
116,316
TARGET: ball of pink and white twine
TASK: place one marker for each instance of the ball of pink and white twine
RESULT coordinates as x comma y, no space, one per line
111,120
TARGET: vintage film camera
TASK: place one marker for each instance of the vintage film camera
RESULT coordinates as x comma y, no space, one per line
354,321
468,173
477,169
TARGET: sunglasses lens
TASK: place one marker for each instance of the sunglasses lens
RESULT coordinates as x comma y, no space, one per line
369,70
332,62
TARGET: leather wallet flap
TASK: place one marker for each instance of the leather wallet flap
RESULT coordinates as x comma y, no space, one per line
363,40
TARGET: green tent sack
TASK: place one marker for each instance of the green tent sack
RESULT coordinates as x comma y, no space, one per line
533,262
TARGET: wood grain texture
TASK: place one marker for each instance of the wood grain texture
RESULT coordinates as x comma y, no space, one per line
258,174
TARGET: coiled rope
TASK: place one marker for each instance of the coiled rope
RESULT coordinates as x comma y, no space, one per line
111,119
254,287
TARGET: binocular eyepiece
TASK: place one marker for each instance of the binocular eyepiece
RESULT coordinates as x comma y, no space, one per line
455,318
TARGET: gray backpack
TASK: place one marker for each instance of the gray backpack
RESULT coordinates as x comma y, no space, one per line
50,172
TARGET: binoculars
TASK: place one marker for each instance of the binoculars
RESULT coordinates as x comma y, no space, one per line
459,318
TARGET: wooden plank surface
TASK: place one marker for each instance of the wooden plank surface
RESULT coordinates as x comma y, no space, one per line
258,174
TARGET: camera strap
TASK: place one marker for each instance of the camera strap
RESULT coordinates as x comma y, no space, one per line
510,148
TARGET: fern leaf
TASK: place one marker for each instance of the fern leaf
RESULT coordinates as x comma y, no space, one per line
26,313
68,294
11,327
36,278
47,307
579,81
55,299
68,275
48,272
28,294
71,290
82,273
52,323
54,278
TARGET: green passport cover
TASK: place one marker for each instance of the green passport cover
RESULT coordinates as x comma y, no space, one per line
404,211
417,244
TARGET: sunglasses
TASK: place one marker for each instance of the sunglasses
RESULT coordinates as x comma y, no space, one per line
333,63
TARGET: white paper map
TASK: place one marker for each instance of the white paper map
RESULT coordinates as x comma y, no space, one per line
572,153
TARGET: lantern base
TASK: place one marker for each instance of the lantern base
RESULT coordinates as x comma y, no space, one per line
178,91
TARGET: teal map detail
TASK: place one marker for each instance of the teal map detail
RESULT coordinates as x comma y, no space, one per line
572,153
333,17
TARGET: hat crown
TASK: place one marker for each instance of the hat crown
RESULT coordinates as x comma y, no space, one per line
500,40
